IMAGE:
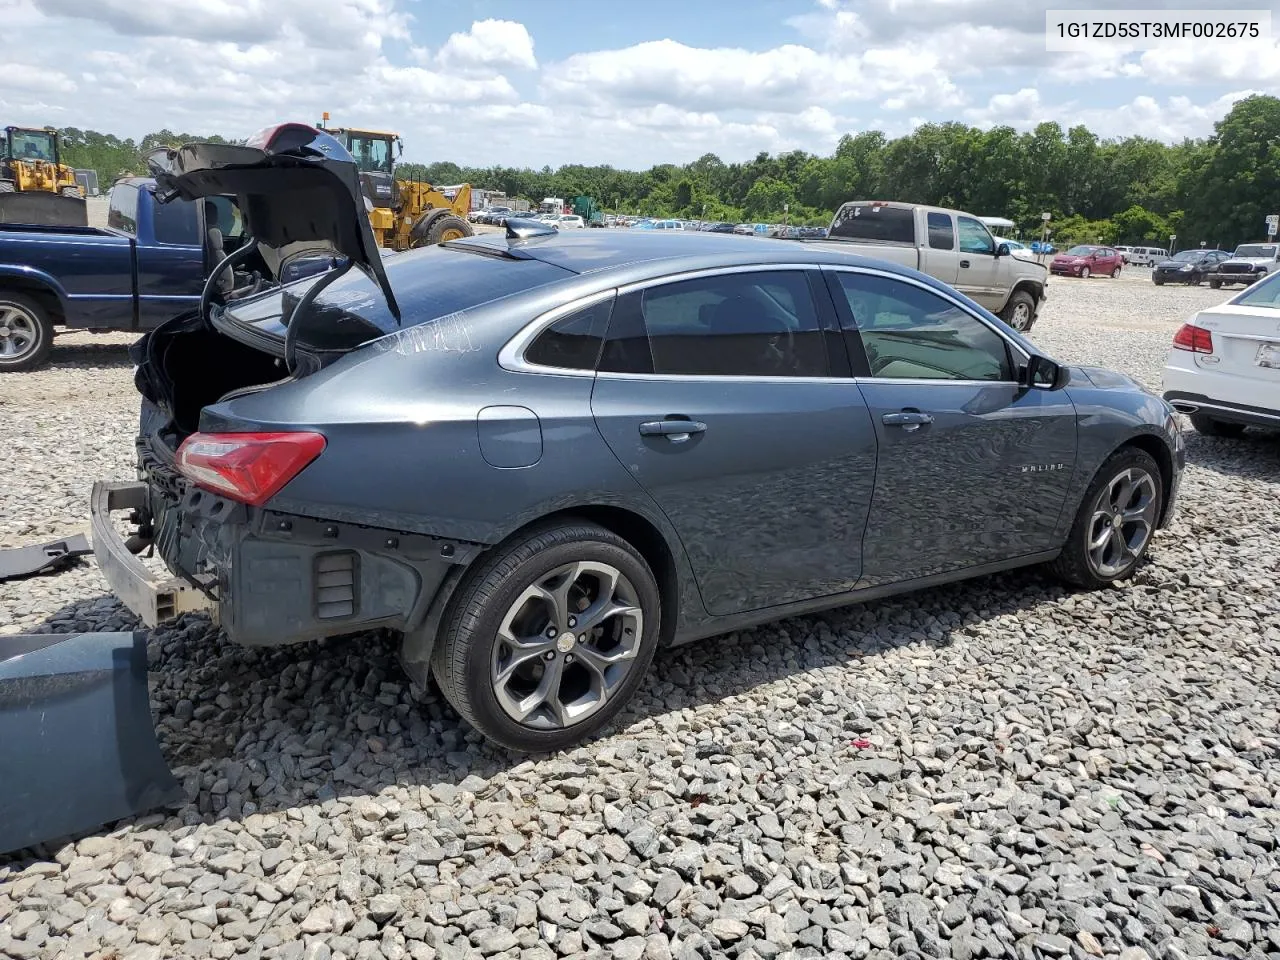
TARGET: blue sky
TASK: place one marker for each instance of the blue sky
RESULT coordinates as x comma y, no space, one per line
537,82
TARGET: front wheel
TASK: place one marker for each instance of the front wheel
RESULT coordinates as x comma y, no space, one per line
1116,522
548,639
1019,311
1214,283
1216,428
442,229
1194,279
1084,274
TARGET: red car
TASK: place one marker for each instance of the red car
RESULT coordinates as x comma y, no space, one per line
1087,260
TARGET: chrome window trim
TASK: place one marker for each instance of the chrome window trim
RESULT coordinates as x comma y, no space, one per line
511,356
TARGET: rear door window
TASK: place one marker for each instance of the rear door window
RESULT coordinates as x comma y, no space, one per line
942,233
752,324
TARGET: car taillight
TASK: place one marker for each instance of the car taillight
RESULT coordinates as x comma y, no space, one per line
1193,338
248,467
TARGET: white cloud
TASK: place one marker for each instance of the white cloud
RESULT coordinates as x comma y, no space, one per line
490,43
787,77
476,93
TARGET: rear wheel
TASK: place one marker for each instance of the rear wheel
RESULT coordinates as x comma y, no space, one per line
26,332
1216,428
1214,283
1019,311
1084,273
1115,274
548,639
1117,519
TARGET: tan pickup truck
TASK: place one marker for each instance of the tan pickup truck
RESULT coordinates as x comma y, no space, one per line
951,246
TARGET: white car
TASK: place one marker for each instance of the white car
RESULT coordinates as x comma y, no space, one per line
570,221
1016,248
1224,367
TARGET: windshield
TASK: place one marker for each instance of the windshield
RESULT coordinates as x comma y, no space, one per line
1081,251
1264,293
372,152
1261,250
33,145
1188,255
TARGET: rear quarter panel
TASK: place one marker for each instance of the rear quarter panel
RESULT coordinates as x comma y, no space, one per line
402,420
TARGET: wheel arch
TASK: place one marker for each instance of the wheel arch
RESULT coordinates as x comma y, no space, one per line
632,526
1027,285
1152,444
38,285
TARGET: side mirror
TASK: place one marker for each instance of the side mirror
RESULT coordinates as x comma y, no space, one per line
1042,373
1003,250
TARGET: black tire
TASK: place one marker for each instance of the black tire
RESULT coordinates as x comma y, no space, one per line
1216,428
1074,564
1157,280
1020,311
1084,273
1214,283
1115,274
30,348
463,659
1195,279
442,228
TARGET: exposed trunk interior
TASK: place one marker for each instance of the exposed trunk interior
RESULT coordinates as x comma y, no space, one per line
199,367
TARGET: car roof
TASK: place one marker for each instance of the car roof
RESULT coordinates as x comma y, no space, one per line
648,253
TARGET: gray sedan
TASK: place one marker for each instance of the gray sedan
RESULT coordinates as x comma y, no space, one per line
543,456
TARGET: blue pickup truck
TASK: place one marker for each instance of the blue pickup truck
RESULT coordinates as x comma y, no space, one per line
150,263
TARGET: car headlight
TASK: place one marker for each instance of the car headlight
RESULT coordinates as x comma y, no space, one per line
1187,268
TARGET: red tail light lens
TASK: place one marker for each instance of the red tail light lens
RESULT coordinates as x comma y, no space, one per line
1193,338
248,467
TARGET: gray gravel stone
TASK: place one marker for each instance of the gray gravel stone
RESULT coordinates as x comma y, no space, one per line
1033,767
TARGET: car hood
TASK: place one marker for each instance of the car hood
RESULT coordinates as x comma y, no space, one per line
1253,261
1179,264
297,187
1068,258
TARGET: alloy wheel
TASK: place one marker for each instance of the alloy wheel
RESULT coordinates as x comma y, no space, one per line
1124,517
19,332
566,645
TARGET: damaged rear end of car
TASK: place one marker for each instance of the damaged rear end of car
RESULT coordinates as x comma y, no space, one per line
210,474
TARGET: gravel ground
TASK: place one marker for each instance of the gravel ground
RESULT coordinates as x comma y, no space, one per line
998,768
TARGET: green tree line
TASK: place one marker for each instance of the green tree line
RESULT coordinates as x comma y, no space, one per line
1131,190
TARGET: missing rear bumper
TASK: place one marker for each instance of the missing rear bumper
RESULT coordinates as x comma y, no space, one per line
154,599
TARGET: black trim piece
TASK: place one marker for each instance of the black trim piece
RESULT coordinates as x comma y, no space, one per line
1242,413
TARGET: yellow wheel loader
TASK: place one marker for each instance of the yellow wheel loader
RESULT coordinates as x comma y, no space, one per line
35,185
404,213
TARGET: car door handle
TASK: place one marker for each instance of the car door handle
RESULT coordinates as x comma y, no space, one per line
964,263
908,420
674,429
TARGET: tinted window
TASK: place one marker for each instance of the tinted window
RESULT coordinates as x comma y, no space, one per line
942,235
864,221
175,222
572,342
974,237
912,334
123,211
741,324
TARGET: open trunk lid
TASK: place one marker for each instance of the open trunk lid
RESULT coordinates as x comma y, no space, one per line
297,188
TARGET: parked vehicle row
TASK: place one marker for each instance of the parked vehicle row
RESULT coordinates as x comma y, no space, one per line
666,400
